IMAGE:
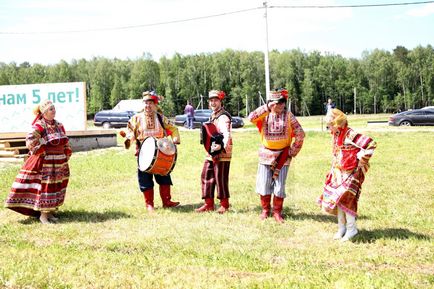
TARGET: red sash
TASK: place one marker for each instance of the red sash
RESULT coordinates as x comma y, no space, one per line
278,163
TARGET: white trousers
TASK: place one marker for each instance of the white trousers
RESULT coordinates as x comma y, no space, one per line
264,184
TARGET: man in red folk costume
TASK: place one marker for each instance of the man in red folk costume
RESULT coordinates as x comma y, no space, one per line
40,187
215,170
351,154
282,138
151,123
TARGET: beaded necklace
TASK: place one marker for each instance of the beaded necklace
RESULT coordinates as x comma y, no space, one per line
51,128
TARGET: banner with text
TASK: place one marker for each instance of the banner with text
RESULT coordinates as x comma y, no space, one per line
17,103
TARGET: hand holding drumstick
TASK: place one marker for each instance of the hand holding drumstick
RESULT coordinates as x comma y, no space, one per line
127,142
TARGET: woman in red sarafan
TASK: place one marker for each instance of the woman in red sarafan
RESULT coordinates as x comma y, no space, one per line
40,186
351,154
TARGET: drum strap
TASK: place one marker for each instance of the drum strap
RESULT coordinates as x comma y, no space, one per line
160,119
220,113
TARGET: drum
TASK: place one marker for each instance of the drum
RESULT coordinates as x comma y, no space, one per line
157,156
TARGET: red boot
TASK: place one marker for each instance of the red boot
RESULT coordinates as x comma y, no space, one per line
277,209
266,207
208,206
165,197
149,199
224,206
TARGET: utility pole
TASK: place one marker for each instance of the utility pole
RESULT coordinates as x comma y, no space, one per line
260,99
375,104
355,100
238,104
267,66
201,102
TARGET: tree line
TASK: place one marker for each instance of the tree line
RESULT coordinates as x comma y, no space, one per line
380,81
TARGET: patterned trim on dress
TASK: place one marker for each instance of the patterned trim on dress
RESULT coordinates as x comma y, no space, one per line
344,182
276,126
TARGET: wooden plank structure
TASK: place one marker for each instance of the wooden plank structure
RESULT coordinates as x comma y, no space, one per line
13,145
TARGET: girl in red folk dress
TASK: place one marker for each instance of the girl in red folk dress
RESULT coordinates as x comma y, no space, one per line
351,154
40,186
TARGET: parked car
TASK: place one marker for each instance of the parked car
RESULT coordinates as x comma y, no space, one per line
424,116
201,116
112,118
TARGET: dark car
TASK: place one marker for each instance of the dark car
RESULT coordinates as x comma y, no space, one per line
424,116
112,118
201,116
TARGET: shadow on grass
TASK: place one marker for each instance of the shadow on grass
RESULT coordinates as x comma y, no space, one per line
288,214
320,217
366,236
291,214
29,221
90,217
187,208
82,216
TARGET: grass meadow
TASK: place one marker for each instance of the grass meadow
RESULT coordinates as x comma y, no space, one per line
106,239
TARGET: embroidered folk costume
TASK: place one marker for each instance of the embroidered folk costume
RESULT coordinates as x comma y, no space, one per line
150,122
215,171
351,154
281,138
40,187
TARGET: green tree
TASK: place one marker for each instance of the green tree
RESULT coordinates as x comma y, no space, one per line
101,84
422,60
145,75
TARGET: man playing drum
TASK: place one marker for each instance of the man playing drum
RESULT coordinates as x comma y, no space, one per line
282,138
150,123
215,171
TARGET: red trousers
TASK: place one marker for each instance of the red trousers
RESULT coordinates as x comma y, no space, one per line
215,174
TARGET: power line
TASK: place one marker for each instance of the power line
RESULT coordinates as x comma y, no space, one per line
352,6
138,26
217,15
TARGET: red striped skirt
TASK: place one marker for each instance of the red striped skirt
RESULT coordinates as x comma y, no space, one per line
41,183
342,191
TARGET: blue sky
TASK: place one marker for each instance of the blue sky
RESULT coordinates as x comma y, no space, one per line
37,31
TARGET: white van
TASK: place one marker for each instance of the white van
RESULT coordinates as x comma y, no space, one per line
135,105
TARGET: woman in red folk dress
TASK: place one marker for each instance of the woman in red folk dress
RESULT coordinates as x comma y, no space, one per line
351,154
40,186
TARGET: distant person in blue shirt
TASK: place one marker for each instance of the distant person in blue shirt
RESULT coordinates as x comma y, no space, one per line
329,105
189,111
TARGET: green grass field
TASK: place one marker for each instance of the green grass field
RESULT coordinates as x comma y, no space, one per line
106,239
